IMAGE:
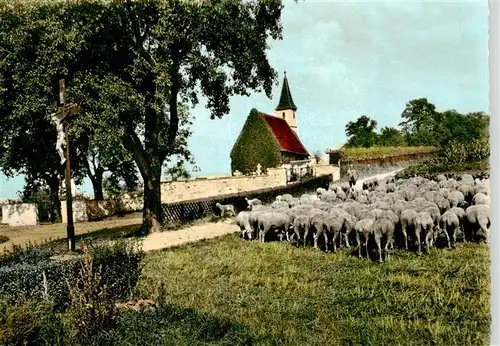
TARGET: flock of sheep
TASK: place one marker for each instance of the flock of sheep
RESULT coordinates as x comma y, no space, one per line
414,211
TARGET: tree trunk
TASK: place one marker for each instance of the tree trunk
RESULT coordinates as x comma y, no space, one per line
98,193
55,202
96,180
152,214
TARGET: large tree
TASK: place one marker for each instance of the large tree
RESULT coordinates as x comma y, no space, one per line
421,123
156,54
361,132
391,137
31,60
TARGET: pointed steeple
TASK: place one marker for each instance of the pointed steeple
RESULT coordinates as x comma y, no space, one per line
286,101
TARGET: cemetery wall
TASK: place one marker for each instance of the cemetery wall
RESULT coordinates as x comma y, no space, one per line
20,214
177,191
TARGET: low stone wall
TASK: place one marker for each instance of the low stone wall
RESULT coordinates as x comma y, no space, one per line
20,214
177,191
369,167
79,211
325,169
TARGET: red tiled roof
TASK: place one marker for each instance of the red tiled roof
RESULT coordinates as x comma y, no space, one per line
286,137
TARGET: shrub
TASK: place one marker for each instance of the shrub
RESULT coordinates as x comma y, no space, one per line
92,307
3,239
22,272
120,266
29,322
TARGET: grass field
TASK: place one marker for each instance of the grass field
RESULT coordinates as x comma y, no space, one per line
230,291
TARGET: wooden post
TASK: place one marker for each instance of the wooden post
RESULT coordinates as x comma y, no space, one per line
69,198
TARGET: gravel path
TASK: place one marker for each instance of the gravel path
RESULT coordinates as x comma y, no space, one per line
162,240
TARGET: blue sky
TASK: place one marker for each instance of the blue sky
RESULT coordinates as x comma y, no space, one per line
344,60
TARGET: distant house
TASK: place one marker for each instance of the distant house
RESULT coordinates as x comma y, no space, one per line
269,140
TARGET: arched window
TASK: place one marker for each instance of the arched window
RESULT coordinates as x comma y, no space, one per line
283,115
294,115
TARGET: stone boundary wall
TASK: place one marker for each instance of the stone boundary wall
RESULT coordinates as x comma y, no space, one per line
178,191
186,190
20,214
369,167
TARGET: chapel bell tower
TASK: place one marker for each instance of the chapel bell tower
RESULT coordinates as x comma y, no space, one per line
286,109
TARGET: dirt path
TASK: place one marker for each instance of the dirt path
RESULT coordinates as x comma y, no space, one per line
38,234
156,241
194,233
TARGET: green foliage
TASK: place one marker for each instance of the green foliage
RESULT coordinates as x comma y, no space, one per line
29,321
35,49
146,63
21,273
3,239
361,132
383,152
391,137
92,307
459,153
291,295
255,145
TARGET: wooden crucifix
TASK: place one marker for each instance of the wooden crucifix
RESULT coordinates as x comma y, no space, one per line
61,121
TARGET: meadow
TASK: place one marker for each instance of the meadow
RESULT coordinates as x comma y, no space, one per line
272,293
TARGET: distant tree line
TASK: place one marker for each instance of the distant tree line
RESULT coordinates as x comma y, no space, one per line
421,125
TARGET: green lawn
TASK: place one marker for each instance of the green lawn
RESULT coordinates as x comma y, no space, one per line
231,291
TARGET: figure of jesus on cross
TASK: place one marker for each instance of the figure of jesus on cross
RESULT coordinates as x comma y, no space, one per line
57,119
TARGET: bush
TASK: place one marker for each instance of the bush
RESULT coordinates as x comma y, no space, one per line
92,307
3,239
29,322
459,153
22,272
120,266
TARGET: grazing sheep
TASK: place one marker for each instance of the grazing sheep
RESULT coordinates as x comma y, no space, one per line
242,220
345,186
467,191
333,225
456,198
226,209
272,220
363,227
481,198
316,222
252,202
383,229
440,178
408,217
320,191
279,204
442,203
450,224
287,198
477,218
300,227
424,226
482,188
